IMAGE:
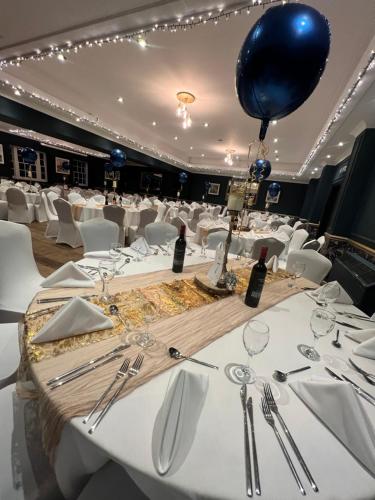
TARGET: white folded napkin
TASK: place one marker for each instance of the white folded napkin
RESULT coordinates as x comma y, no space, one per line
361,335
68,276
75,318
99,254
177,420
343,298
273,264
140,245
366,339
337,405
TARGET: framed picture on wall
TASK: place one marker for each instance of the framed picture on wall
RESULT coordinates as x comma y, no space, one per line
114,175
214,189
272,199
62,166
1,155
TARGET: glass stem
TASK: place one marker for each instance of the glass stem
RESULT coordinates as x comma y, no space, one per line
105,288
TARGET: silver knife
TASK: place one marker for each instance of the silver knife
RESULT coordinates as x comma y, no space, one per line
348,325
61,299
83,372
366,395
249,405
117,349
249,486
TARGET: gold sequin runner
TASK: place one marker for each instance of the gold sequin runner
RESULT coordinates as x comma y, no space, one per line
190,319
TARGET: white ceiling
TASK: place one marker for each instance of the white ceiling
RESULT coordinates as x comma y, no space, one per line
201,60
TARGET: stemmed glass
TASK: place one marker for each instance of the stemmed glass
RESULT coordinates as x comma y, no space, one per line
169,245
107,270
322,322
150,310
204,245
256,335
297,269
115,254
329,294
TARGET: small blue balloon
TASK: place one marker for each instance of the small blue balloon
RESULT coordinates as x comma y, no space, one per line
281,61
29,155
262,169
183,177
118,158
108,166
274,189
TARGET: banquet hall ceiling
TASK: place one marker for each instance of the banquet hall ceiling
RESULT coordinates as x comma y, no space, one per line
201,60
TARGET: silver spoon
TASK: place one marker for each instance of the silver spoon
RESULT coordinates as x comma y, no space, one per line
336,342
174,353
282,376
113,309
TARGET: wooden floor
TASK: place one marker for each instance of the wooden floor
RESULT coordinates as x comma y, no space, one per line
49,255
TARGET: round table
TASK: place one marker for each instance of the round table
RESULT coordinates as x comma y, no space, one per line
82,213
214,467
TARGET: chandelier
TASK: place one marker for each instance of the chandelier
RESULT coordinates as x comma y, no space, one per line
229,156
184,99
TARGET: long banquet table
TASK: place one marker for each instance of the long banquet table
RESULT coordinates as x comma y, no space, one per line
214,468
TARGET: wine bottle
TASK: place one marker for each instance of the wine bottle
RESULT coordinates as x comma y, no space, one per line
106,198
257,279
120,201
114,200
179,251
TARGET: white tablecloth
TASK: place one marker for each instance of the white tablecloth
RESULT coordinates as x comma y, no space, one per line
214,468
84,212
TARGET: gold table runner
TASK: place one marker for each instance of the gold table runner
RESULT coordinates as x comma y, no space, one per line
189,331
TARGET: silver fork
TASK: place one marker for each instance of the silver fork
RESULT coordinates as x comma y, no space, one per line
133,371
270,421
121,372
273,407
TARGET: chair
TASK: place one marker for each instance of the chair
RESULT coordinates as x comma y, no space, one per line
275,224
74,197
160,213
298,239
321,240
116,214
316,265
20,278
68,227
98,234
180,221
146,216
217,237
51,197
9,353
18,209
195,218
99,198
275,247
216,211
159,233
3,210
40,211
297,224
184,209
286,229
204,215
53,221
311,245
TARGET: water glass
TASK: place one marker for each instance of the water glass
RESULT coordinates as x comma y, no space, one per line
115,254
322,322
106,271
329,294
204,245
297,269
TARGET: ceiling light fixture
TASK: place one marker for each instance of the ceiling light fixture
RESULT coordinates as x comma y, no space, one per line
340,144
175,138
206,124
328,156
120,100
154,124
61,57
184,99
274,122
229,156
141,40
276,140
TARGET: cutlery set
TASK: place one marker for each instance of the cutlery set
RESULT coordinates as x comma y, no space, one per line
361,392
247,404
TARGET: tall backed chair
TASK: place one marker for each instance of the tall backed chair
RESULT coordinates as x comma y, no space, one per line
68,227
311,245
40,210
146,216
321,240
275,247
9,353
178,222
53,221
19,275
98,234
195,218
18,209
298,239
217,237
159,233
275,224
286,229
116,214
51,197
161,212
316,265
74,197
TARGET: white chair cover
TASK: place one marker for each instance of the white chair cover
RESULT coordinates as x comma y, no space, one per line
316,265
311,245
195,218
68,227
286,229
216,211
297,224
51,197
160,213
321,240
116,214
298,239
98,234
217,237
40,211
275,247
99,198
158,233
9,353
20,278
53,221
18,209
3,210
146,216
204,215
74,197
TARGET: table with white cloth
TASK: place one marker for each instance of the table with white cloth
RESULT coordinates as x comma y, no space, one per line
82,213
32,198
214,467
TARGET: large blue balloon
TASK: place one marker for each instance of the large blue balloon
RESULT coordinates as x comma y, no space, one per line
281,61
29,155
118,158
262,169
274,189
183,177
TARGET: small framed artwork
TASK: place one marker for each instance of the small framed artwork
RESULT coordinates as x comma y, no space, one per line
272,199
214,189
113,175
1,155
62,166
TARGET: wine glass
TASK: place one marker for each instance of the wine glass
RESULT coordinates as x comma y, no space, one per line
150,310
256,335
297,269
204,245
107,270
170,242
115,254
322,322
329,294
